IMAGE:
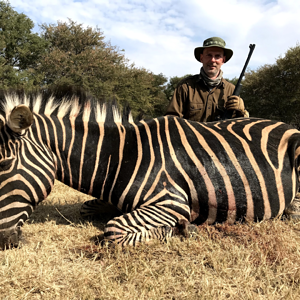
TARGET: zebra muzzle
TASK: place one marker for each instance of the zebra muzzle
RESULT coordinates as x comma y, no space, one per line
10,238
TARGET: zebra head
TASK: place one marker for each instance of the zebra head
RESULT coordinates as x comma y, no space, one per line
24,161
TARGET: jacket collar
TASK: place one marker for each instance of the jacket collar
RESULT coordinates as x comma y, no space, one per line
221,85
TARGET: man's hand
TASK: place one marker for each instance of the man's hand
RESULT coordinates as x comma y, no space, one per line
235,103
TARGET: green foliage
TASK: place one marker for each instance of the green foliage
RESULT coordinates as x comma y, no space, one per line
158,95
273,91
234,80
19,48
68,57
77,56
80,57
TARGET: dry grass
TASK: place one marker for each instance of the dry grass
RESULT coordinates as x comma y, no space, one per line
59,260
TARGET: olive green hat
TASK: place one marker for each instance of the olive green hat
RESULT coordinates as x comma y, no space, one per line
213,42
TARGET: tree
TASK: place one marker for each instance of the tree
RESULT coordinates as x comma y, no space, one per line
19,48
80,57
77,56
68,57
273,91
234,80
157,92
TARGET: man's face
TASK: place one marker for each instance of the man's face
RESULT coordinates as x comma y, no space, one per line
212,59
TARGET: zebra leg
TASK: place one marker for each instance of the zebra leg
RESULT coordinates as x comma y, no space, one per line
145,224
96,208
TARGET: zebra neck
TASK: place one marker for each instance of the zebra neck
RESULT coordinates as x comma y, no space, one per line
89,153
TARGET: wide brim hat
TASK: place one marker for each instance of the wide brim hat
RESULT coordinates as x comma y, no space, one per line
213,42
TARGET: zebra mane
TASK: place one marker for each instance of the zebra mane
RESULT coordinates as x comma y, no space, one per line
69,106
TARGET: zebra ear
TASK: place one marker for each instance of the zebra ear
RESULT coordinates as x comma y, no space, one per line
20,119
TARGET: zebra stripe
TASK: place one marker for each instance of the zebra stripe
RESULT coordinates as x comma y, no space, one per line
161,174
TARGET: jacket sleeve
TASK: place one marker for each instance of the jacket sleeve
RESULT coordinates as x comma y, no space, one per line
177,103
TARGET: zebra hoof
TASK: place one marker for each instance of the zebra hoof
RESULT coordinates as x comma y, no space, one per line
292,211
10,238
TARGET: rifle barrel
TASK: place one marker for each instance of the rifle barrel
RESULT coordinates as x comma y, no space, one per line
228,113
237,89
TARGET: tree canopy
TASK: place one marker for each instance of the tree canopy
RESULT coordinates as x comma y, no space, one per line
273,91
20,49
69,56
80,57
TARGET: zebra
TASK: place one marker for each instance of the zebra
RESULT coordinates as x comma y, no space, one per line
165,175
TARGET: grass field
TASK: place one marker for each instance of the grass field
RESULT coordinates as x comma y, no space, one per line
58,259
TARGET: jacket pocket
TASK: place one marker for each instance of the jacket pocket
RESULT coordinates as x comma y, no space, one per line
196,111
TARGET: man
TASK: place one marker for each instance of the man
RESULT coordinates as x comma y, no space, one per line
204,97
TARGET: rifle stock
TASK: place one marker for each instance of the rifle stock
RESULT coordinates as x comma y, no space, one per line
228,113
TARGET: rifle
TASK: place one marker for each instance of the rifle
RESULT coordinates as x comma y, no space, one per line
228,113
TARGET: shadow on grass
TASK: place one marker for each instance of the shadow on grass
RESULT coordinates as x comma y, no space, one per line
64,213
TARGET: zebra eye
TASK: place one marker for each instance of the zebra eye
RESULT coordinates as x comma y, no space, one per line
5,164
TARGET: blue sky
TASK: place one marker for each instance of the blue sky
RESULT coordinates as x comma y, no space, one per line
160,35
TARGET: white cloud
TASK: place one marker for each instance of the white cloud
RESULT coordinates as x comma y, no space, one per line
160,35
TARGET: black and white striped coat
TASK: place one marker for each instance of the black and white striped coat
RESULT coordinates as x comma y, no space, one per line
158,173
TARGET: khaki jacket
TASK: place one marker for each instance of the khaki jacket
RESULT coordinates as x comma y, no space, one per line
194,101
